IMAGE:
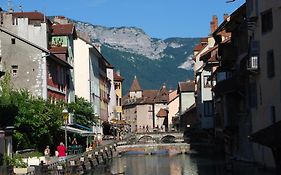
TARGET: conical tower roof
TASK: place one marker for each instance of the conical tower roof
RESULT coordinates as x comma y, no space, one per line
135,85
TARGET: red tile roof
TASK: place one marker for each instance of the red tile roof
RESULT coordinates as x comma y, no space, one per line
204,40
162,95
198,47
135,85
162,113
186,86
117,77
208,53
29,15
64,30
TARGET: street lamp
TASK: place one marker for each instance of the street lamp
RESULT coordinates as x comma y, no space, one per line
65,117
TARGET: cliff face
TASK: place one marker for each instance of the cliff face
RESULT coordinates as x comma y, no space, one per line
133,52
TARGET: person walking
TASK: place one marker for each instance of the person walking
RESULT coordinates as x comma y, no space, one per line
47,154
61,151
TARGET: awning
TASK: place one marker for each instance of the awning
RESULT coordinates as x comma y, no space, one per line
269,136
83,127
77,131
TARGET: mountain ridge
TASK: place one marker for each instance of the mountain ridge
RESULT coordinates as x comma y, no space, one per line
154,61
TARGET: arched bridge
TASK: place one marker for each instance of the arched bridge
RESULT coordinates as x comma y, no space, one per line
158,137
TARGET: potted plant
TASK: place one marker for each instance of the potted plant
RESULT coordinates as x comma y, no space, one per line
19,166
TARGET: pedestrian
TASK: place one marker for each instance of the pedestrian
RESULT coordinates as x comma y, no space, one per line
47,154
61,151
147,128
74,141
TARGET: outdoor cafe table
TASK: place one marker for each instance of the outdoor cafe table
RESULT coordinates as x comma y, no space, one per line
74,149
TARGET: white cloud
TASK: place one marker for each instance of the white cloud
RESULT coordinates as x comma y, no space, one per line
188,64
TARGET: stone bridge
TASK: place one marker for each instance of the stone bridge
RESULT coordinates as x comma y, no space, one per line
158,137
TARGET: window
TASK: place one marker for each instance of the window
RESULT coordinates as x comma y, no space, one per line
272,114
270,64
207,81
266,21
13,41
117,86
117,101
208,108
14,70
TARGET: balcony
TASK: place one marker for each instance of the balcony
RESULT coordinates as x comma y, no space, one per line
227,52
253,60
227,86
253,63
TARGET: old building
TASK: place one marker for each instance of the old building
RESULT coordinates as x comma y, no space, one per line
118,80
62,38
232,90
35,68
140,107
186,100
263,65
173,106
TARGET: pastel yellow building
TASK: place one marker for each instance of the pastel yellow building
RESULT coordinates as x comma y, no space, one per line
118,79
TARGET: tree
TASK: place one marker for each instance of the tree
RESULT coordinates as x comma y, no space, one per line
38,121
8,111
83,111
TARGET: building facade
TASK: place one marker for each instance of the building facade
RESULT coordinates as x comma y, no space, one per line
140,107
118,80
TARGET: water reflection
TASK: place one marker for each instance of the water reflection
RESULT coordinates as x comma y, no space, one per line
173,165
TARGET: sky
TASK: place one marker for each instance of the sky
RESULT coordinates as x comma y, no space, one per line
158,18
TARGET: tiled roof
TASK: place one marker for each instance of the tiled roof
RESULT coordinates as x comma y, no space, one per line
148,97
173,95
208,53
186,86
198,47
29,15
110,66
204,40
117,77
162,113
64,30
135,85
58,49
162,95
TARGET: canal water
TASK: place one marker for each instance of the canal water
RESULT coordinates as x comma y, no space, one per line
181,164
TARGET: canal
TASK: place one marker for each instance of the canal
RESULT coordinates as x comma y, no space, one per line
182,164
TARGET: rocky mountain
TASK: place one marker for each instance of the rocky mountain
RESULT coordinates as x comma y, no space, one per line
133,52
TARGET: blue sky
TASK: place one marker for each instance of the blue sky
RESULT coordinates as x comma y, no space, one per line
158,18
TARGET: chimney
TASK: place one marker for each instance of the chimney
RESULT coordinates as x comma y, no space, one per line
214,23
118,72
225,16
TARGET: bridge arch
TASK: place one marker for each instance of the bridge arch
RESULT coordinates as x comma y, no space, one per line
145,139
168,139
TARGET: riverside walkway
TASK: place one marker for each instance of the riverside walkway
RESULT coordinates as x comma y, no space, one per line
78,163
149,142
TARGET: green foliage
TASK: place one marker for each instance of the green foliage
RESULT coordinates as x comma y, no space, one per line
15,161
5,90
37,121
83,111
